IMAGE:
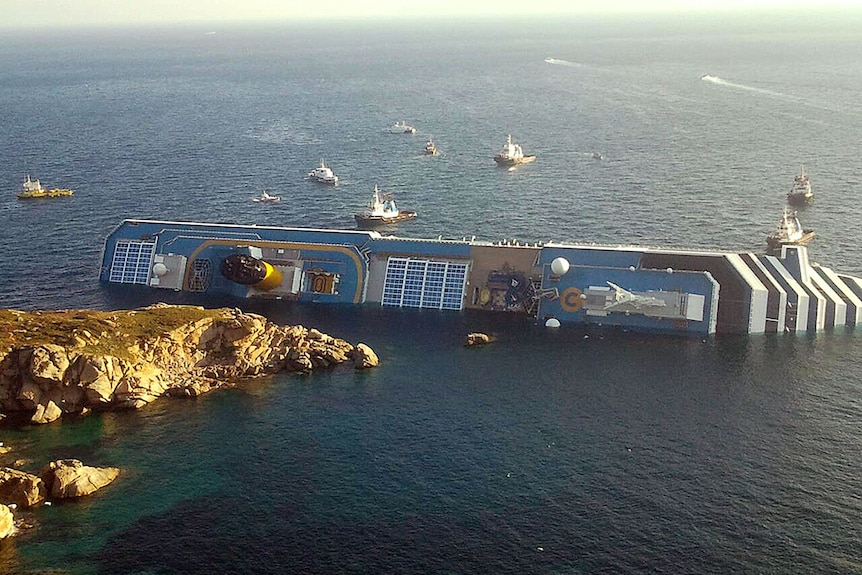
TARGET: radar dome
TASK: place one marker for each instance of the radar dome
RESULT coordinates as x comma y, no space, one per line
560,266
552,321
160,269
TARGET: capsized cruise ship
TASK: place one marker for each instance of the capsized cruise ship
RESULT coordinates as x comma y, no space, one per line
636,288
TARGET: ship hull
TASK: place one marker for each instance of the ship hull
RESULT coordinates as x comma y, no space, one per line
644,289
775,243
366,222
508,162
800,199
56,193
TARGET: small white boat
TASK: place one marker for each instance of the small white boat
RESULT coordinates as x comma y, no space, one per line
512,154
800,194
431,148
382,210
266,198
789,232
403,127
323,174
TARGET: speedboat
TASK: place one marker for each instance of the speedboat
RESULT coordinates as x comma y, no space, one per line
323,174
430,148
800,194
34,189
512,154
403,127
789,232
381,210
266,198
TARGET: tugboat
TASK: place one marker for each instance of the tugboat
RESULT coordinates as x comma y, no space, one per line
403,127
266,198
789,232
323,174
512,154
430,148
382,210
34,189
800,194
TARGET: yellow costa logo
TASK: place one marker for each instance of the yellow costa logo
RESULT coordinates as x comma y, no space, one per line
571,299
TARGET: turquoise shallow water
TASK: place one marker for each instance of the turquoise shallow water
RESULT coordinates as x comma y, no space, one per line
546,452
728,455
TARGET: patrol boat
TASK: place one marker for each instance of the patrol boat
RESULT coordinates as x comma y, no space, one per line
789,232
512,154
266,198
800,194
403,127
381,210
323,174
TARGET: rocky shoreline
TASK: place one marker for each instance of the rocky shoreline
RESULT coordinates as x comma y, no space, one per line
70,362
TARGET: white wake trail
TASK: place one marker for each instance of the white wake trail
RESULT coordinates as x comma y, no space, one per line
722,82
558,62
786,98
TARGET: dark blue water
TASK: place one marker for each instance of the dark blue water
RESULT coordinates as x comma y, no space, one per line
546,452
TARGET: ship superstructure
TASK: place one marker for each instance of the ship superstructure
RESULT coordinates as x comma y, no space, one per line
637,288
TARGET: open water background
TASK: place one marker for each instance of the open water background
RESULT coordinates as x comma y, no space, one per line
546,452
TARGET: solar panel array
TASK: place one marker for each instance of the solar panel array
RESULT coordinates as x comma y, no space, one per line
424,283
132,261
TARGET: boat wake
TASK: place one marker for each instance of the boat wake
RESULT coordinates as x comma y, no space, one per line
780,96
723,82
557,62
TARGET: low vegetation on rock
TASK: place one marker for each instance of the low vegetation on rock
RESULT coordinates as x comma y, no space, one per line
70,361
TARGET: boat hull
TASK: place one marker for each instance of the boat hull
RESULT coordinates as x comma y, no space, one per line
55,193
775,243
508,162
365,221
800,199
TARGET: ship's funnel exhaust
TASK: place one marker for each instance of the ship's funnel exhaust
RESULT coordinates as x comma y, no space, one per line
250,271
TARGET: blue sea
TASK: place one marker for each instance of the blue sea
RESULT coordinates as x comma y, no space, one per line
548,452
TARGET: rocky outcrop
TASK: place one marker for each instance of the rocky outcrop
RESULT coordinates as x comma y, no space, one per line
7,522
364,357
21,488
477,339
46,413
127,359
70,478
61,479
